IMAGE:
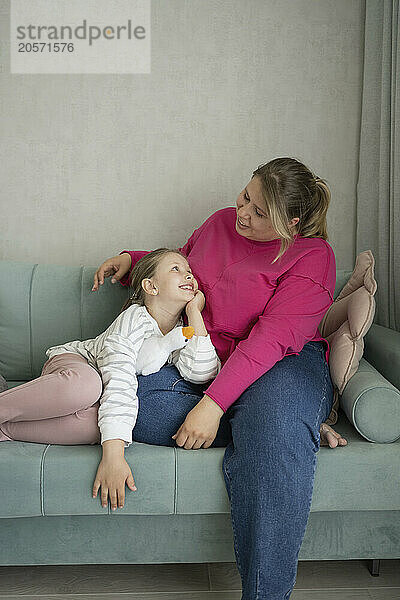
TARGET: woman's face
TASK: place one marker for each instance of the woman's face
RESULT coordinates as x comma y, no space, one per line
252,221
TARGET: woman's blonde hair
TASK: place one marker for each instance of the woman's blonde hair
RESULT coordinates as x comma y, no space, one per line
145,268
291,190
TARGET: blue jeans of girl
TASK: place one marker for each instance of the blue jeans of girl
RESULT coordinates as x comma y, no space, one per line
271,434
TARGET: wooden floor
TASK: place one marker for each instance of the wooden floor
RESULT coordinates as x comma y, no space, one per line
319,580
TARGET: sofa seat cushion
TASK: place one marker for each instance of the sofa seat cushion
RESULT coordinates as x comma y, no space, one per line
54,480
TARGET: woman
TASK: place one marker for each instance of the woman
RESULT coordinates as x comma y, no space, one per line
268,275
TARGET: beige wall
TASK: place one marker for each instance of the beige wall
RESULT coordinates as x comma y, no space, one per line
94,164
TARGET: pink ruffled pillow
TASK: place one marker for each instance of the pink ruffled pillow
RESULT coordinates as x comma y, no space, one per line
345,324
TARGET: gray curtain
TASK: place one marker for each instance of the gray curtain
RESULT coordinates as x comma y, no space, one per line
378,186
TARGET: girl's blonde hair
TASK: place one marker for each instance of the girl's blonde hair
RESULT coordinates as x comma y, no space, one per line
291,190
145,268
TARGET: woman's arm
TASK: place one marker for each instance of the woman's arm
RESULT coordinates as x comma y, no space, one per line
134,256
121,266
117,266
289,320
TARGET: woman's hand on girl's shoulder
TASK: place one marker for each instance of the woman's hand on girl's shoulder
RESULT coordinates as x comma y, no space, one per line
117,266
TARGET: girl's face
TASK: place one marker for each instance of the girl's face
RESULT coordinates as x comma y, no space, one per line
252,220
174,280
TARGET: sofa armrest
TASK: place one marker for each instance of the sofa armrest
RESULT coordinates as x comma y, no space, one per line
382,350
372,405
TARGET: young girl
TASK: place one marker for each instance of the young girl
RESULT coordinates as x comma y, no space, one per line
163,285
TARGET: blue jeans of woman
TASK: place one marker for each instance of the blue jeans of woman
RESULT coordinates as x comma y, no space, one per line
271,434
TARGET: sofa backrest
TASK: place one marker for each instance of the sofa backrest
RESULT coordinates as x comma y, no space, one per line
46,305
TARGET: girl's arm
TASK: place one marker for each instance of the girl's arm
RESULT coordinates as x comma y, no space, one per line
116,417
116,355
119,405
198,361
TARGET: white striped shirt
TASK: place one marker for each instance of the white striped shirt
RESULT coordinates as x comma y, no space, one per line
113,354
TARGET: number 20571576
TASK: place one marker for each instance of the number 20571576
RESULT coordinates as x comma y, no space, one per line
45,47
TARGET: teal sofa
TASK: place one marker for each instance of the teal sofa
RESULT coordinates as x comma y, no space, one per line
180,512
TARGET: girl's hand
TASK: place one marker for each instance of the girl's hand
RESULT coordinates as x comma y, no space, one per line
111,476
200,427
117,266
198,302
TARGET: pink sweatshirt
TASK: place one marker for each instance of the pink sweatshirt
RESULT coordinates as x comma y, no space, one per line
256,312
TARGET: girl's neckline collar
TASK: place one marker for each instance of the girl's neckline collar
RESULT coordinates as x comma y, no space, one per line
152,319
